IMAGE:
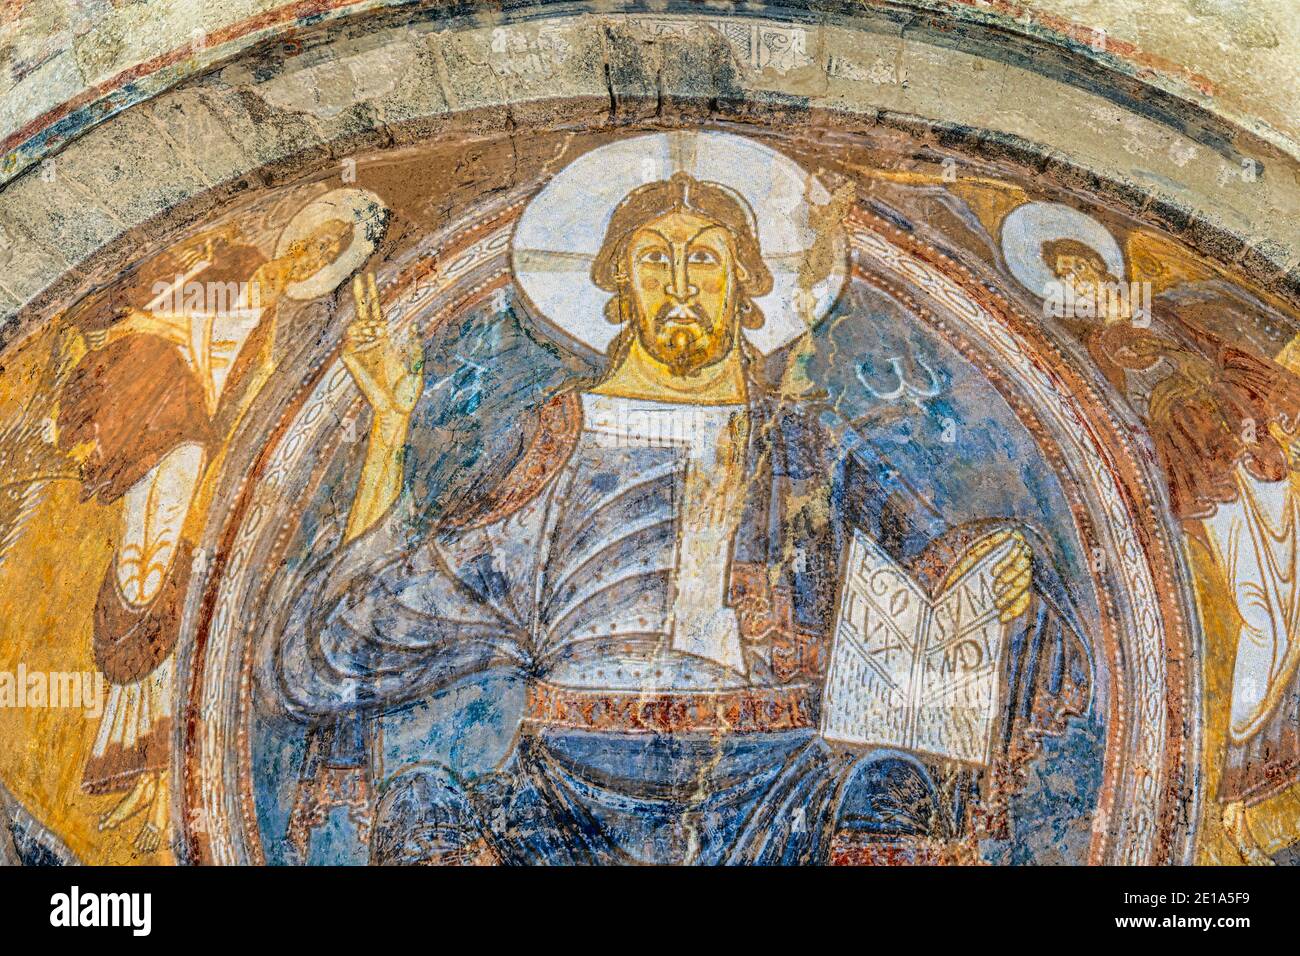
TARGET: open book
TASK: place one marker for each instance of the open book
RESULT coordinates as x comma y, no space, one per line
911,671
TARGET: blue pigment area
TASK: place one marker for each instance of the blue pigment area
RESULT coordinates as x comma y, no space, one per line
898,398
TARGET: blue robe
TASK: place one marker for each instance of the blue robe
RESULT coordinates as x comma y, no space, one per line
565,569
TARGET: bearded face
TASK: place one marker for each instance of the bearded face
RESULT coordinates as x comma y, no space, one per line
1079,275
682,281
318,249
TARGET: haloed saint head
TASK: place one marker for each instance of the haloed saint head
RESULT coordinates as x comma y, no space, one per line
1079,267
318,249
682,259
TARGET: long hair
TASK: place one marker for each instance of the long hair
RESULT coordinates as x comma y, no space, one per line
1053,249
682,193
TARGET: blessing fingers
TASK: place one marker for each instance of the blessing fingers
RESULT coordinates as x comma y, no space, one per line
368,327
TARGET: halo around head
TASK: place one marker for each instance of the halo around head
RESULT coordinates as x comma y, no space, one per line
560,233
361,208
1027,227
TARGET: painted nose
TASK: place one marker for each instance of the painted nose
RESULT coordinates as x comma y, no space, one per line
681,281
690,293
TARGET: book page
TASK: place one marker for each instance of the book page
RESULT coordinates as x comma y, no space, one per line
876,641
960,668
912,673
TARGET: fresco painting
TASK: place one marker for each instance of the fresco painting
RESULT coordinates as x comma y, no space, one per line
704,496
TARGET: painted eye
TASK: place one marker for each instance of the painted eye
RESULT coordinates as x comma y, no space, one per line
655,257
702,257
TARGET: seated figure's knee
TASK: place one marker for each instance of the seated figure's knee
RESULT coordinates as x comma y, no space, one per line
424,817
888,795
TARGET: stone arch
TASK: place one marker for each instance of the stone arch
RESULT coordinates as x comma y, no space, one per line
275,114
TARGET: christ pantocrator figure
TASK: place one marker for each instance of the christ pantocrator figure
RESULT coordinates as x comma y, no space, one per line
635,570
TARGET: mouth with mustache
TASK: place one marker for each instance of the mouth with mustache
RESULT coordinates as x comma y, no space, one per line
683,333
684,315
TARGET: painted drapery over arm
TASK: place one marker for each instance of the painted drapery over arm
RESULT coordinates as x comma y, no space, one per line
370,635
